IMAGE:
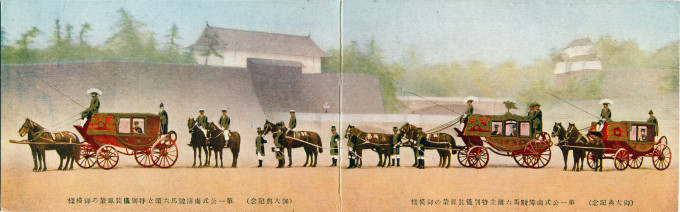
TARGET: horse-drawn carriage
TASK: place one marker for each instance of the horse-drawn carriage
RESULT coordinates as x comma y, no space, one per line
628,142
507,135
106,135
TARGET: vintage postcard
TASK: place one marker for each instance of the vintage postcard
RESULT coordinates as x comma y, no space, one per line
339,105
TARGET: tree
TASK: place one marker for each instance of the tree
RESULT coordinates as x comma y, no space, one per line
211,47
131,42
81,35
24,54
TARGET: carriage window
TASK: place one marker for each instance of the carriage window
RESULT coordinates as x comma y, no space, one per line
633,133
138,125
497,128
124,125
510,128
642,133
525,129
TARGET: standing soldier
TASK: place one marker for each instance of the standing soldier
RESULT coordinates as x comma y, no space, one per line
202,121
164,119
279,147
94,105
335,139
531,114
351,143
259,146
538,119
396,138
652,119
420,141
293,122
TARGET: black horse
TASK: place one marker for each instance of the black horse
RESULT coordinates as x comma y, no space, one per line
198,141
218,141
567,144
591,143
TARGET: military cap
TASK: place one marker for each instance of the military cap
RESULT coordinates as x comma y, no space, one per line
94,90
651,112
224,111
161,104
537,104
394,128
201,110
259,129
136,122
332,127
292,111
420,128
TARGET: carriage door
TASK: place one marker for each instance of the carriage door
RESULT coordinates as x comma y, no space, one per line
525,129
124,125
511,128
496,128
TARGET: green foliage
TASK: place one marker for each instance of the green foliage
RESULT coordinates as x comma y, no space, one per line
368,61
131,42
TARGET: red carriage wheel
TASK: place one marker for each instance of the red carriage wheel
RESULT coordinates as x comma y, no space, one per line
145,158
537,154
544,137
462,157
165,152
663,140
662,157
635,161
591,161
107,157
478,157
519,159
621,159
87,155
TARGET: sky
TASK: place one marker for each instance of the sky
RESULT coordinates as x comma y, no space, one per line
438,31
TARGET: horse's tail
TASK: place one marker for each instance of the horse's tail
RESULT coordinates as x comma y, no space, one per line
318,141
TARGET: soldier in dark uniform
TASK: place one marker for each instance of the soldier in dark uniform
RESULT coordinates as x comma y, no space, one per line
537,119
653,120
279,147
351,143
293,122
164,120
94,105
420,142
259,146
335,140
606,114
225,121
396,138
202,121
531,114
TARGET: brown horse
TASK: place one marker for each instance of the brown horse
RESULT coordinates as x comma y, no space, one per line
218,141
567,144
378,142
591,143
198,141
310,141
441,142
37,133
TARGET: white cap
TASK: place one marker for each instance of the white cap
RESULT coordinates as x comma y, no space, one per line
471,98
94,90
607,101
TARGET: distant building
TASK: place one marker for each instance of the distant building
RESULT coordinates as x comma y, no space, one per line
578,61
235,47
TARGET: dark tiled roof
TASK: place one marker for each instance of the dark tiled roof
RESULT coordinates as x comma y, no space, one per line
251,41
285,63
581,42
